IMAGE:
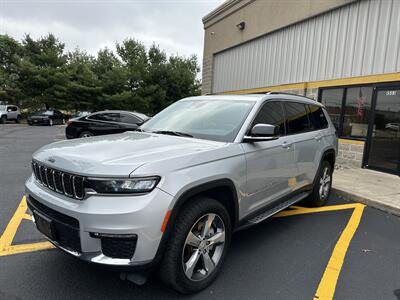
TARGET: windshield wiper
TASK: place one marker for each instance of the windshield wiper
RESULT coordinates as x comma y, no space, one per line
170,132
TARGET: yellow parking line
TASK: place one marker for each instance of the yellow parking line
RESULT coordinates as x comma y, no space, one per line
23,248
27,217
327,285
8,235
305,210
6,247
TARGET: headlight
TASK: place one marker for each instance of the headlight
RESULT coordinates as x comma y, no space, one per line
123,186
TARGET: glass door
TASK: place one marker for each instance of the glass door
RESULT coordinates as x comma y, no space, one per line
384,137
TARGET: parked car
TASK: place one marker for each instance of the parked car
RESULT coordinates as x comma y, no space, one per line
104,122
47,117
9,113
170,195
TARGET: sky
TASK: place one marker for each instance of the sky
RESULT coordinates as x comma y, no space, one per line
175,25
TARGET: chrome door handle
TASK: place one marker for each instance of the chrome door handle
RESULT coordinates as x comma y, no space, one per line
318,138
286,145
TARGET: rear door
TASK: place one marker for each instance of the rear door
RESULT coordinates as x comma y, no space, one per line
306,143
104,123
269,163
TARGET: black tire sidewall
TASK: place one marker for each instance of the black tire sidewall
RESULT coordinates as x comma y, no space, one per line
3,120
171,269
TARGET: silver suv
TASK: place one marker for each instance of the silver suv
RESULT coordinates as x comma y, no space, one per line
9,112
171,194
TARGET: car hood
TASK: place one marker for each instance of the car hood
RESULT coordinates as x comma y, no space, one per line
122,154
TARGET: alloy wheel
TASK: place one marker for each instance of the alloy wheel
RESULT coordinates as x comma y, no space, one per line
203,248
325,183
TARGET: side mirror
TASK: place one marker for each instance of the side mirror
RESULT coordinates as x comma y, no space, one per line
263,132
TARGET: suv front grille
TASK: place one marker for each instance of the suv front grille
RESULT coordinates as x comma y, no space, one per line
61,182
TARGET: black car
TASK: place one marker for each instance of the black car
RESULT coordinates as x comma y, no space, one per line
47,117
104,122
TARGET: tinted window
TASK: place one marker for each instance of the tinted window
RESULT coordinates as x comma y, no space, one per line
332,99
271,113
13,108
297,118
110,117
130,119
317,117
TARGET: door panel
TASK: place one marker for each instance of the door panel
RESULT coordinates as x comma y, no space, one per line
384,142
269,168
269,163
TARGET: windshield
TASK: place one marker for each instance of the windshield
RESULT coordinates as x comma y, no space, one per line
2,107
217,120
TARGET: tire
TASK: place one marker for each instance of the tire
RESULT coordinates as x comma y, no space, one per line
30,123
322,185
85,134
3,119
179,251
18,120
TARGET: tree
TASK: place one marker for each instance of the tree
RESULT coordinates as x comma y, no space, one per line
82,89
43,78
10,54
42,75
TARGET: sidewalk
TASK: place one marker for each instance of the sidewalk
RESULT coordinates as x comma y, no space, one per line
376,189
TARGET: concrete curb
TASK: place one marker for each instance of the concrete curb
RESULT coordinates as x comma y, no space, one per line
369,202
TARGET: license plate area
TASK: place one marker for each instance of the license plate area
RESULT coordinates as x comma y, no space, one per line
44,225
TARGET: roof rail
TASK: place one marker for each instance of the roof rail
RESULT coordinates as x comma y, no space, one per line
276,93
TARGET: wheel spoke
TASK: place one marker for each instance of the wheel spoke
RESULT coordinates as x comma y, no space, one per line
208,262
217,238
327,180
207,225
193,240
191,263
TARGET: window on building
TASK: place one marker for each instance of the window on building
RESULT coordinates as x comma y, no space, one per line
357,110
297,118
332,99
272,113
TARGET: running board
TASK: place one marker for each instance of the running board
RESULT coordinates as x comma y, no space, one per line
266,214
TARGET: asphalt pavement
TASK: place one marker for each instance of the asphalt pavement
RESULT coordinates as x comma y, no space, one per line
288,257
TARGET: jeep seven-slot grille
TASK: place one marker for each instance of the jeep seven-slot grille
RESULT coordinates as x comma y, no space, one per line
63,183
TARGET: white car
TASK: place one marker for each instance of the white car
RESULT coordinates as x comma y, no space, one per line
9,113
170,195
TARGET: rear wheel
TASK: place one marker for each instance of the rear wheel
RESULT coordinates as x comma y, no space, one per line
85,134
197,246
322,185
18,120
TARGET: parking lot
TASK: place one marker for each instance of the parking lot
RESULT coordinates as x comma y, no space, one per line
344,250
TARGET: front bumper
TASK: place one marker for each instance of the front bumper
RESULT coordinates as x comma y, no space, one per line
39,121
141,216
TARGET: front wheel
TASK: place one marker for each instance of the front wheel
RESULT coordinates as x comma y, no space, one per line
197,246
3,120
322,185
85,134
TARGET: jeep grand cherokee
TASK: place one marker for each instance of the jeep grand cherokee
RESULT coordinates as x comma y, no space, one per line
171,194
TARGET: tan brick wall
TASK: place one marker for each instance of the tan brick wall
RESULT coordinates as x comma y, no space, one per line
350,154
